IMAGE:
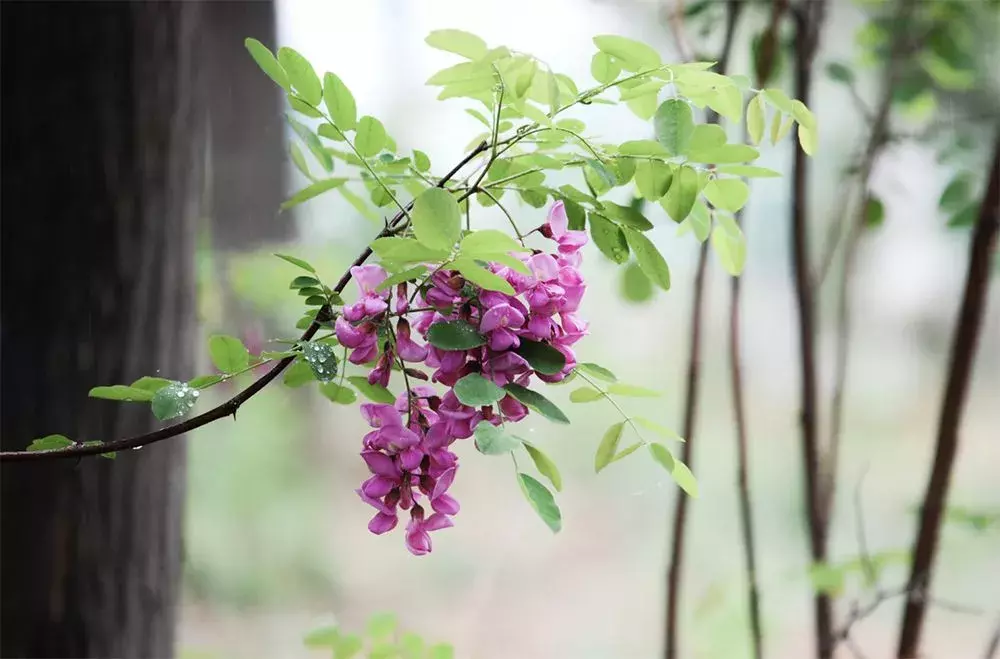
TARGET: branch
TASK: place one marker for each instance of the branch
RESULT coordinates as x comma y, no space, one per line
764,71
809,20
963,352
993,644
229,407
675,568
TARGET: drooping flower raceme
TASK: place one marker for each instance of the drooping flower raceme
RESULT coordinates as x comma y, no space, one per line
408,452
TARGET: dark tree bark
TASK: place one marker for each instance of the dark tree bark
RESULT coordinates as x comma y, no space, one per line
246,179
963,356
102,147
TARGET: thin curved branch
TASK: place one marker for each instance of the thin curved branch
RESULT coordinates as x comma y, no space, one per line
229,407
691,394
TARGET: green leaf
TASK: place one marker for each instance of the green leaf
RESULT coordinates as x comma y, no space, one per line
122,393
150,383
339,102
706,136
699,221
585,395
682,193
966,217
337,393
322,637
299,161
651,262
373,392
267,63
411,274
476,391
406,250
537,402
321,359
608,447
633,55
957,194
304,282
725,154
541,500
808,139
779,100
627,216
302,107
50,443
459,42
491,440
652,179
684,478
454,335
441,651
643,148
827,578
663,456
632,391
348,646
486,242
840,73
542,357
657,428
297,262
674,125
421,161
874,212
174,400
780,126
301,75
755,119
545,466
203,381
228,353
437,219
604,68
609,238
727,100
803,115
596,371
298,374
729,194
603,173
370,136
314,190
749,171
636,286
729,245
482,277
381,625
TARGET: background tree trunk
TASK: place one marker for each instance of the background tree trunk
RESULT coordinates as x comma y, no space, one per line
103,159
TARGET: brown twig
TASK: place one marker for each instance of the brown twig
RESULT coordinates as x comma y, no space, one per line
764,71
809,17
230,407
963,352
993,645
675,569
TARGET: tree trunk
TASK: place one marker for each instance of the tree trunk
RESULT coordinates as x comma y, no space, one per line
102,147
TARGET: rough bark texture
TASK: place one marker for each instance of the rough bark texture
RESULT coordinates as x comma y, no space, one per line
247,161
102,146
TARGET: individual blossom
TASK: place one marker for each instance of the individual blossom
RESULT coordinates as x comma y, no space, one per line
418,539
570,242
390,434
372,302
406,347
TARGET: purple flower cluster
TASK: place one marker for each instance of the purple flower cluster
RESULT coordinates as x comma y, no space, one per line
409,449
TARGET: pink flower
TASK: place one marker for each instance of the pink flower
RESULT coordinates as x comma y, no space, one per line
380,374
418,539
570,242
512,409
408,350
372,302
500,321
389,433
573,329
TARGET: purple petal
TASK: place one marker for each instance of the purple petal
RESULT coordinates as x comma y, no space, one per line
381,415
437,521
378,486
417,540
382,523
381,464
445,504
410,458
544,267
444,481
558,221
351,336
368,277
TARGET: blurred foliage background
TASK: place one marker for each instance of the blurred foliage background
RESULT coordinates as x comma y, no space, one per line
276,537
